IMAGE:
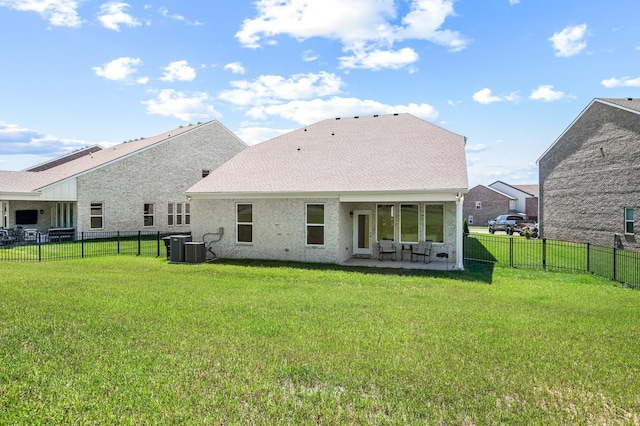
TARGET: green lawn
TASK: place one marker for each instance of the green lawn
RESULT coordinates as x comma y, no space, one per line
134,340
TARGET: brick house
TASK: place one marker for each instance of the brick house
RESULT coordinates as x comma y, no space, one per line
331,191
590,177
136,185
484,203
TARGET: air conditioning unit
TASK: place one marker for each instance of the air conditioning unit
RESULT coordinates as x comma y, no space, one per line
195,252
177,244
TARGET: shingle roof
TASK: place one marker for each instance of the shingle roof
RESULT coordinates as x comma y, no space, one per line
630,103
396,152
27,181
529,189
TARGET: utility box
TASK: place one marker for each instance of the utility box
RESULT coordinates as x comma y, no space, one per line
195,252
176,246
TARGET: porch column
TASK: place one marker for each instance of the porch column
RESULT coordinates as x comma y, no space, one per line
459,232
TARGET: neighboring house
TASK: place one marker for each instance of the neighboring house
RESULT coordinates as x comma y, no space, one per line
330,191
590,177
484,203
136,185
526,197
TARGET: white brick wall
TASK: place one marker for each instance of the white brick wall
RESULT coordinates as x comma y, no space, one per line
160,174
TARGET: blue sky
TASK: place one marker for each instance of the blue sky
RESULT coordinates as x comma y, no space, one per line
510,75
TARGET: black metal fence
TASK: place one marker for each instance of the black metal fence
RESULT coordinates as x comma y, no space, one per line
518,252
40,247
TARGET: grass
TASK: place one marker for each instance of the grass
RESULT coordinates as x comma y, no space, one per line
135,340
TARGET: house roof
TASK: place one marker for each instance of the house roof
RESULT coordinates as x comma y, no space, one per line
64,159
395,152
631,105
532,189
29,181
494,190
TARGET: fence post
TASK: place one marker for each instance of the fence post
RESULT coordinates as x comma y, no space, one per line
588,257
82,242
139,242
544,253
511,252
118,239
158,243
615,267
39,247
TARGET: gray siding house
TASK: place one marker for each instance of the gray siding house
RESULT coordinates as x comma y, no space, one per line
590,177
136,185
332,190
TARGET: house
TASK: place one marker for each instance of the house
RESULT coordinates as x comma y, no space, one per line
590,177
135,185
484,203
332,190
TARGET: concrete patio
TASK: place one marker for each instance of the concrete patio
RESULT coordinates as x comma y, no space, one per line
434,265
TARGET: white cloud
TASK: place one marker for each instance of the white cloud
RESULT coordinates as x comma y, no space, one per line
165,12
377,59
235,67
569,41
621,82
59,13
309,56
112,15
254,135
310,111
486,97
547,94
16,140
178,71
368,30
512,2
121,69
476,148
272,88
171,103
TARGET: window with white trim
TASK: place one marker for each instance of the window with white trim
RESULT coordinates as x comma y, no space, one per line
244,223
478,205
315,224
96,216
434,222
148,215
385,225
409,223
629,218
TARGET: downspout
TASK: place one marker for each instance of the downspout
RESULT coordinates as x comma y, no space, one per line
459,231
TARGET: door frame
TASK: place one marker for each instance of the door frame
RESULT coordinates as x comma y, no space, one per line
357,250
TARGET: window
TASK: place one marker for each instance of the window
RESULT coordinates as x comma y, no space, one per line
628,220
171,214
96,216
386,227
434,222
409,223
315,224
478,205
149,211
63,215
205,173
244,223
178,214
470,220
512,205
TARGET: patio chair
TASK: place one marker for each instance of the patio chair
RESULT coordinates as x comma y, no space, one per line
387,247
423,248
6,239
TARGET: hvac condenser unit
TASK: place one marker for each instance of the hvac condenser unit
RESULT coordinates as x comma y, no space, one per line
194,252
177,247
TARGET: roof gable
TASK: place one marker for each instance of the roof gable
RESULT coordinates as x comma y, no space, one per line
631,105
395,152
